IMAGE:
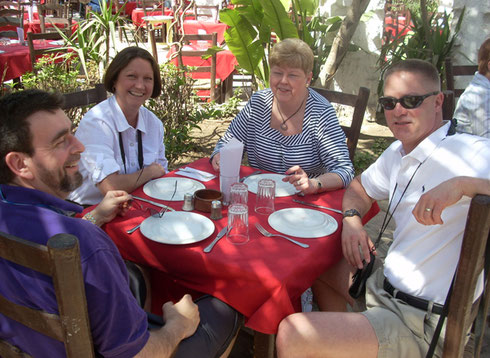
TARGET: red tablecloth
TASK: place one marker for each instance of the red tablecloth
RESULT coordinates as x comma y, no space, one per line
138,14
193,26
397,27
35,26
128,8
17,60
225,62
262,279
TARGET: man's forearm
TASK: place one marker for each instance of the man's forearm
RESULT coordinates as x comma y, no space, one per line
472,186
355,197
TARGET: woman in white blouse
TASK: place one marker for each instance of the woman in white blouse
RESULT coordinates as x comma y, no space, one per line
123,140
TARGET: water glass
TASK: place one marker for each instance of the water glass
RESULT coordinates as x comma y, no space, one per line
266,194
239,193
237,232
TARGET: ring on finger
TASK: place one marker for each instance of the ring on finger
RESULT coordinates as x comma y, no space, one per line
428,210
298,182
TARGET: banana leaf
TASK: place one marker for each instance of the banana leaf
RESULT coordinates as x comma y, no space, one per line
276,17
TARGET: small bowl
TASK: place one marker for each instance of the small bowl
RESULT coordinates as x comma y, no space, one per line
204,197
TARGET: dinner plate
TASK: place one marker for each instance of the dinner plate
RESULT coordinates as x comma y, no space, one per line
282,188
304,223
177,228
163,188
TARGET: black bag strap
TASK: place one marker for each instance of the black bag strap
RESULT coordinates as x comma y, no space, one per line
140,151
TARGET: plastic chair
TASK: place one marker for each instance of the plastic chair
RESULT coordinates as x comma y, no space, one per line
473,261
60,260
359,102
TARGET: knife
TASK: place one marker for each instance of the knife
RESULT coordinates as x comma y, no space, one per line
245,177
153,202
318,206
222,233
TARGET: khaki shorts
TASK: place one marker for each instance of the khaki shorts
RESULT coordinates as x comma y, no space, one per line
402,330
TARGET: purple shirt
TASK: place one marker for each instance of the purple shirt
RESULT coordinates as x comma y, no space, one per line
118,324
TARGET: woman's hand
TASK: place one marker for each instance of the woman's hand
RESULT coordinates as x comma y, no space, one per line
115,202
215,162
300,180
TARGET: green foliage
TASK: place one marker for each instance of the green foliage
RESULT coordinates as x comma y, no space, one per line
176,107
251,24
213,110
433,46
363,159
414,5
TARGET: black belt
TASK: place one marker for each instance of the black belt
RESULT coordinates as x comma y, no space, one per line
416,302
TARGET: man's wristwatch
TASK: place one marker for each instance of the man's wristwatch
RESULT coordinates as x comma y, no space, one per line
351,212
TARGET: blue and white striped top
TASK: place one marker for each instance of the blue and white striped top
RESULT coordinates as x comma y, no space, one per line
318,149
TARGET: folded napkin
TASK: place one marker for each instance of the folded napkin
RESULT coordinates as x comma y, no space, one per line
195,174
229,166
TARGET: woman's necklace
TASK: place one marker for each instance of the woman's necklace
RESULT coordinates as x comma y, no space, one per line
284,126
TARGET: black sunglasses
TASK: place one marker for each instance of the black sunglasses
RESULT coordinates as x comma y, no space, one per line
408,102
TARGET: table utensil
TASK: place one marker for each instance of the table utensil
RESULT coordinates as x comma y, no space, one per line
246,176
302,222
175,190
317,206
237,233
264,232
222,233
266,195
160,205
153,213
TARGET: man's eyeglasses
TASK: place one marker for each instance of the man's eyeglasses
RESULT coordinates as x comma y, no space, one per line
408,102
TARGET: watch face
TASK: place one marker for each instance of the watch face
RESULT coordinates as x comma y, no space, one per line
351,212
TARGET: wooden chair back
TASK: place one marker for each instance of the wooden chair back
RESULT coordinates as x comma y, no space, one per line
11,15
212,39
60,260
85,98
56,15
359,103
452,71
34,53
448,105
150,5
474,258
206,12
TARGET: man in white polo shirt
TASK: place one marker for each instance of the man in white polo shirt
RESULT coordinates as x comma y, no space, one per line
429,177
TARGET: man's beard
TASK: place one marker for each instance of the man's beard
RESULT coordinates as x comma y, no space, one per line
66,184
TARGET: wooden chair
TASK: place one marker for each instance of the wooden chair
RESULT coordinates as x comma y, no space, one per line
452,71
34,53
85,98
448,105
473,261
56,15
206,12
60,260
202,84
359,102
11,15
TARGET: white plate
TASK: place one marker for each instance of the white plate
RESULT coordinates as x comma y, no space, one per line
304,223
282,188
163,188
177,228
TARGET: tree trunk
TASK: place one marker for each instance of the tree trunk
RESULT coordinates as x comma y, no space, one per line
341,42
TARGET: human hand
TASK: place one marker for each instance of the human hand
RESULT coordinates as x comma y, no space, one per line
183,315
155,169
429,208
300,180
215,162
115,202
354,237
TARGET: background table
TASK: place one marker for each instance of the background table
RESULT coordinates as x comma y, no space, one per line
262,279
192,27
15,58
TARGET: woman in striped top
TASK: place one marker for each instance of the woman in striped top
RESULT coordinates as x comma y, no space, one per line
292,129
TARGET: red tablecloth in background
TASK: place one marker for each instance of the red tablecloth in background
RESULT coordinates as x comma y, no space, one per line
16,58
397,28
225,62
138,14
262,279
192,27
128,8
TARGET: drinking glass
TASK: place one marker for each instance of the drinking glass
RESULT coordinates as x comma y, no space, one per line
239,193
237,232
266,194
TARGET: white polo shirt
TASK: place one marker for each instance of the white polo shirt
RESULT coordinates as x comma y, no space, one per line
99,132
422,259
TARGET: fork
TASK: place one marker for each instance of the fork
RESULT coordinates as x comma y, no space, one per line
264,232
155,215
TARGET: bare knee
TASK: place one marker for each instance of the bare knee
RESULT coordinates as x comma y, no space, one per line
288,339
